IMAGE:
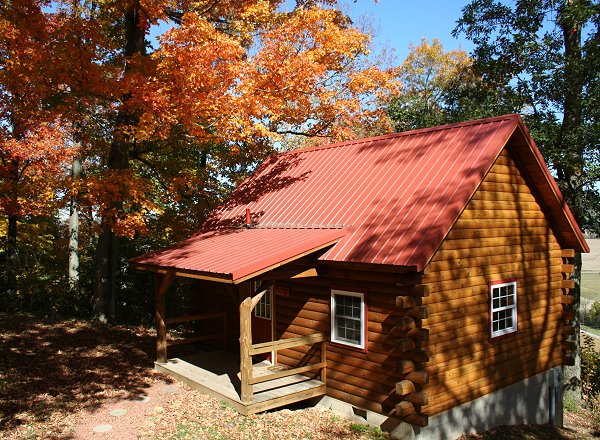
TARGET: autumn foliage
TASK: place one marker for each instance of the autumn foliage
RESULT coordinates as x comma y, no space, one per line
433,81
168,105
32,170
33,141
230,82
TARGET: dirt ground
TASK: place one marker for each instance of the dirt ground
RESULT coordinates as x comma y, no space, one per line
77,380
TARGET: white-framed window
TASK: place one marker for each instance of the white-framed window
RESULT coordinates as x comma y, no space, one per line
348,318
263,307
503,307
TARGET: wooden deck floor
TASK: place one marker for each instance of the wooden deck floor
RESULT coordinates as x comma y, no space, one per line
217,374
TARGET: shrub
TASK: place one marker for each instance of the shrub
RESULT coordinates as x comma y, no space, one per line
590,379
593,316
594,406
590,369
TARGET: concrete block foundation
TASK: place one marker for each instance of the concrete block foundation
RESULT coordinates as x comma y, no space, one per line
536,400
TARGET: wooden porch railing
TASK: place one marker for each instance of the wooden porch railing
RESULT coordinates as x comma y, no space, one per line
267,347
198,317
247,350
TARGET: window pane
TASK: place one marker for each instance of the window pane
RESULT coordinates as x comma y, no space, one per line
263,307
503,308
348,319
348,330
341,330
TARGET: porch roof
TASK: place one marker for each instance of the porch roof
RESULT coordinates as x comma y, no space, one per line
232,255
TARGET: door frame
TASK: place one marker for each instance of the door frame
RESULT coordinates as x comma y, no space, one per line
255,285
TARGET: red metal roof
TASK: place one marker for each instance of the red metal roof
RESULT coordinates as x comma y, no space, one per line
395,196
231,255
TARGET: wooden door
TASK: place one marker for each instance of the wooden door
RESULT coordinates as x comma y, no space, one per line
262,321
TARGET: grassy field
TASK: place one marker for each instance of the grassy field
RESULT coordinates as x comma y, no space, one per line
590,286
591,330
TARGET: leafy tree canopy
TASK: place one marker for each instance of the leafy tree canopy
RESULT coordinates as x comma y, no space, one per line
430,77
541,59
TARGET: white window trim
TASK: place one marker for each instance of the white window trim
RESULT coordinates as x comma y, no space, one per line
363,318
512,307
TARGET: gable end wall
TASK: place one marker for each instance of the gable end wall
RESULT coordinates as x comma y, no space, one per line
501,234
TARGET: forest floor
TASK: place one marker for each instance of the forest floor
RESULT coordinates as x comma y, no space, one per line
80,380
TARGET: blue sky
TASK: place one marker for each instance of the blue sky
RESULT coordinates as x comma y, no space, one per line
400,22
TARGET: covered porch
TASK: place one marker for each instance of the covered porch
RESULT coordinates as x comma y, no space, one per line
242,378
218,374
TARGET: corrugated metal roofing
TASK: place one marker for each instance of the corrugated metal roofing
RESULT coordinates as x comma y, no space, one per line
236,254
396,196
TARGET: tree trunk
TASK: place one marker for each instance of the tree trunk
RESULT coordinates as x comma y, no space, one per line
74,233
570,138
108,255
572,374
12,262
99,305
107,268
571,141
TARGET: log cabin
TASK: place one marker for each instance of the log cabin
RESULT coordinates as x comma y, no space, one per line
418,281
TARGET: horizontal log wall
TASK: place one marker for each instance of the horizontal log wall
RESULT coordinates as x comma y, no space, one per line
503,233
365,379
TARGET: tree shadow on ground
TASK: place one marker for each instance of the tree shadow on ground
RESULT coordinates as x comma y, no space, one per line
47,368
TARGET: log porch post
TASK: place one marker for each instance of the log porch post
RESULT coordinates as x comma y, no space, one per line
161,285
246,393
324,360
246,307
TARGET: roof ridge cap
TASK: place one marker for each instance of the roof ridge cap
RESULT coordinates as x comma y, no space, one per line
300,226
414,132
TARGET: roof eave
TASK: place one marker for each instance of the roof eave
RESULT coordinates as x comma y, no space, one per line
576,239
227,278
207,276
